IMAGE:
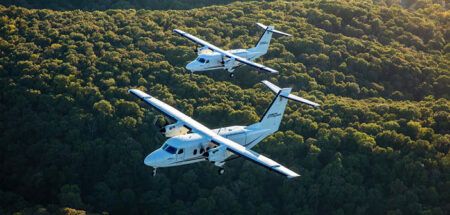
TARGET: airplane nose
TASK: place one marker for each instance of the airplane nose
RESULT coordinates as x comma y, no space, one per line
149,161
190,66
155,159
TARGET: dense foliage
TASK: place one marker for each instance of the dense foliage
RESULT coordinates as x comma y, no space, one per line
175,4
114,4
72,139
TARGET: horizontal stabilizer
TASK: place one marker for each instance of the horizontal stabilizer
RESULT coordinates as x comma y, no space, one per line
276,89
272,29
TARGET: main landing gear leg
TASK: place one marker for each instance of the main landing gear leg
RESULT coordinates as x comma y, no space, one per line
154,171
231,71
220,165
221,171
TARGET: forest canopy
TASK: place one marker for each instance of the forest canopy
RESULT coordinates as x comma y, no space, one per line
115,4
176,4
73,140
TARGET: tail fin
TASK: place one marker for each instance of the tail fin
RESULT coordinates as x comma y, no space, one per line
271,119
263,43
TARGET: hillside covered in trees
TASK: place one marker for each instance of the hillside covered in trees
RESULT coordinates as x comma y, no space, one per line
73,140
174,4
114,4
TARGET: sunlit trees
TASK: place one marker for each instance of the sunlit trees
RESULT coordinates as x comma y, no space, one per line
73,139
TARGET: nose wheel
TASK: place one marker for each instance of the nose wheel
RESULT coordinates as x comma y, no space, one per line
232,75
221,171
154,172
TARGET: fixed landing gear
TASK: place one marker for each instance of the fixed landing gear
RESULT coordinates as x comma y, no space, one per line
154,172
231,71
220,164
221,171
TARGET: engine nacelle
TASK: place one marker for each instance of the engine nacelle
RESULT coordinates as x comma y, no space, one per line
203,50
218,155
175,129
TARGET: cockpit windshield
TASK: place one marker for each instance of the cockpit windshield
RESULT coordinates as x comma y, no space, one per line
201,60
169,149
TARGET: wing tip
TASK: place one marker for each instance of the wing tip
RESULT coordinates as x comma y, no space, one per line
314,104
139,93
270,70
293,176
178,31
286,34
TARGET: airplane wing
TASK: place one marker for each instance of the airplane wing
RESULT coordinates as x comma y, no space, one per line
203,130
225,53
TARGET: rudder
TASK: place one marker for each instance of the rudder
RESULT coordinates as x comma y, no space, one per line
271,119
264,41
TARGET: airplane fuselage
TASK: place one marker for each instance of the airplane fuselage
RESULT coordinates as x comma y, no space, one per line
192,147
210,60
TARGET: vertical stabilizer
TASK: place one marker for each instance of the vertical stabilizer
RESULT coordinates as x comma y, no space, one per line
271,119
264,42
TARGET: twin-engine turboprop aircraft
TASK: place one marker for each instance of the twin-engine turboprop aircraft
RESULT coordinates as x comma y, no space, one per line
211,57
216,146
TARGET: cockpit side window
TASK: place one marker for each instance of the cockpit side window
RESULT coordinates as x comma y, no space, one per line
201,60
180,151
171,149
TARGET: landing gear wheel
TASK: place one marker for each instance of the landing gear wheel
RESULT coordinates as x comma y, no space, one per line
154,172
221,171
232,75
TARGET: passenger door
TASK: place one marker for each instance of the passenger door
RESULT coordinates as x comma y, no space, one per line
180,154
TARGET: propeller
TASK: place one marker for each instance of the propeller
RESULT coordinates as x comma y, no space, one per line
160,123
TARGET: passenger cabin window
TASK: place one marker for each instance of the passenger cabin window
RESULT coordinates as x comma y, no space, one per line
201,151
180,151
201,60
195,151
170,149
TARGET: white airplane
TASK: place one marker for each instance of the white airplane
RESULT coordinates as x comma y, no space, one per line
217,145
211,57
